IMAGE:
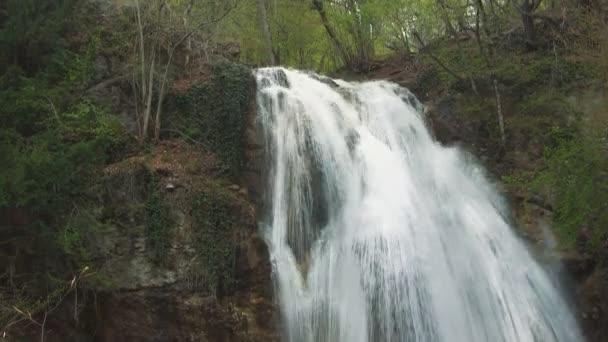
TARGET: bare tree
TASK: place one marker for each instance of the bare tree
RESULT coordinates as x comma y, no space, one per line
159,37
331,32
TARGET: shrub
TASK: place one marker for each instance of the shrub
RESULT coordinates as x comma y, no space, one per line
574,176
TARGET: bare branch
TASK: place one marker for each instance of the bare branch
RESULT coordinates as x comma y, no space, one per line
435,58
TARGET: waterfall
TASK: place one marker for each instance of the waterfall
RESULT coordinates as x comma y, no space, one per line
378,233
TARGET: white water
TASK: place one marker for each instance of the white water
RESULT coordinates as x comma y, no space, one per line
378,233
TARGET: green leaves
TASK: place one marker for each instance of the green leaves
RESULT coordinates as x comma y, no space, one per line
217,215
216,112
159,223
32,31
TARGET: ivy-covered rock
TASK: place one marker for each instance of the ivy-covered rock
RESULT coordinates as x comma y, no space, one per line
214,113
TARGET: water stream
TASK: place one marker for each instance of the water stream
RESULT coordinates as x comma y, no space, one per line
378,233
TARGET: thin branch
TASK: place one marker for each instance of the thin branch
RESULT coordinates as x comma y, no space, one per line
205,23
54,110
501,121
437,60
28,316
46,313
184,135
106,83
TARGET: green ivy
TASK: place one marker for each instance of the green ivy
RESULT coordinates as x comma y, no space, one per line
216,218
215,113
159,222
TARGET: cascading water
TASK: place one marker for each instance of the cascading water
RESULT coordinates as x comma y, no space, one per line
378,233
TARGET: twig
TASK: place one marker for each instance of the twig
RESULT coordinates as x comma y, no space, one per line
437,60
26,315
46,313
54,110
106,83
184,135
501,122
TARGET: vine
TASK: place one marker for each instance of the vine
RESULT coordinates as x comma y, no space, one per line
158,222
216,217
215,113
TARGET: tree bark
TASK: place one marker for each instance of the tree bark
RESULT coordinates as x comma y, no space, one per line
528,21
267,33
189,40
141,50
148,108
344,56
526,9
501,122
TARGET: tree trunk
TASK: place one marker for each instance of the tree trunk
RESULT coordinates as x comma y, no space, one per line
501,121
344,56
161,96
267,33
527,8
142,56
189,40
148,110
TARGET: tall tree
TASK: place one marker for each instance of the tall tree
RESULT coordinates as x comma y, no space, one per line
333,36
272,53
526,9
160,33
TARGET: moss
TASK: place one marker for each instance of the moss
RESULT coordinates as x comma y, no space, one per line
215,113
217,215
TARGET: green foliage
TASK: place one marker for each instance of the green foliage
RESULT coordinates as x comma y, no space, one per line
159,222
216,113
575,175
54,142
217,216
53,168
32,31
78,237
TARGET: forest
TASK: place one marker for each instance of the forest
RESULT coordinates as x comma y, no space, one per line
86,84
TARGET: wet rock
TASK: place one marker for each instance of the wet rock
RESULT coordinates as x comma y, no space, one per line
326,80
281,78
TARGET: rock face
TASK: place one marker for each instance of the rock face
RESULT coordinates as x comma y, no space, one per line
177,298
177,255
